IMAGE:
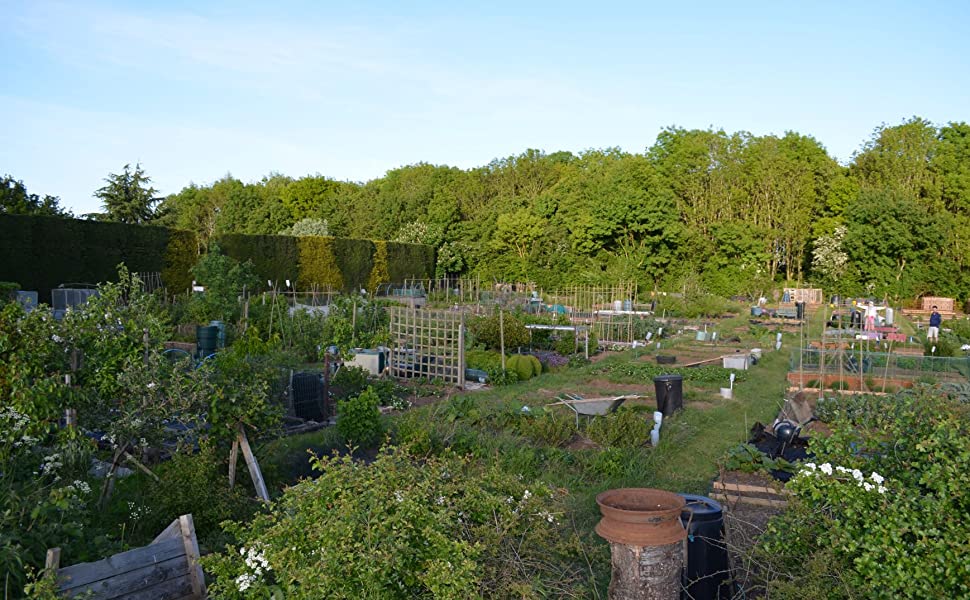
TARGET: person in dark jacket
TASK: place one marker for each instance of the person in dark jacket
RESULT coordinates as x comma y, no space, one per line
933,333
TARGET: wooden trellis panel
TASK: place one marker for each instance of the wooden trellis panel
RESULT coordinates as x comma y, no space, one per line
587,298
806,295
427,343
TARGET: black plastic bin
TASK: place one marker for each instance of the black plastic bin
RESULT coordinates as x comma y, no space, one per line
206,340
670,393
307,398
799,310
707,575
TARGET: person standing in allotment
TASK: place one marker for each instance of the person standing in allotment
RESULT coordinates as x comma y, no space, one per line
871,312
933,333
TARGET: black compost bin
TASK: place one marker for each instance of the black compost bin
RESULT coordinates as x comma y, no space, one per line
306,396
706,576
206,340
670,393
800,310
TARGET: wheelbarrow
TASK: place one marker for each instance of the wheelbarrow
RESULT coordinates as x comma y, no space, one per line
591,407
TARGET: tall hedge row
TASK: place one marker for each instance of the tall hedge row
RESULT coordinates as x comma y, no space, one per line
406,261
341,263
41,253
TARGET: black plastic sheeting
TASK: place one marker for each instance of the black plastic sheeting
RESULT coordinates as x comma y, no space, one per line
793,451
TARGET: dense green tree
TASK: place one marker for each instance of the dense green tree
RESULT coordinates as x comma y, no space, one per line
732,213
895,245
317,197
951,166
899,158
14,200
128,197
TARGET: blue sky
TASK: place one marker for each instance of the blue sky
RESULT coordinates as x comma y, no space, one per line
194,89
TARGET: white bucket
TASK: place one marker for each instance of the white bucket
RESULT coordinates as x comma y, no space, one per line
727,393
756,353
617,305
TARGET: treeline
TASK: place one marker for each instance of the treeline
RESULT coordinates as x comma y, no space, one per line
730,213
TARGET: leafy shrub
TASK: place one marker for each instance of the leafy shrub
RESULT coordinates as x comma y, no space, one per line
243,379
189,483
496,376
521,365
359,419
536,365
881,506
439,527
487,331
349,381
8,291
568,344
483,359
748,459
623,429
547,427
224,279
960,328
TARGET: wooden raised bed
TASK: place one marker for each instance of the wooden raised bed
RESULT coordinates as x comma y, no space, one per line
167,568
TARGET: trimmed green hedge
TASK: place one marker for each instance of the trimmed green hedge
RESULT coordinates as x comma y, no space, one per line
343,263
274,257
405,261
41,253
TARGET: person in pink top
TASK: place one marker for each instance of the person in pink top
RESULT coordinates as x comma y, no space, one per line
872,312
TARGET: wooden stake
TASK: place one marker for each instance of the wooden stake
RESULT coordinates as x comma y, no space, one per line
254,472
53,560
233,460
501,336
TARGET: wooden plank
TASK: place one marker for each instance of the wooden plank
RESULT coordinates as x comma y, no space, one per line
85,573
179,588
150,576
741,487
253,464
731,498
192,554
172,531
701,362
142,467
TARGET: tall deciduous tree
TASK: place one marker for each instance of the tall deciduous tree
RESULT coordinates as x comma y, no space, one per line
128,196
899,158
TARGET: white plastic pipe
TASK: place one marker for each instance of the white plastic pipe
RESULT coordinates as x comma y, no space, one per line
658,418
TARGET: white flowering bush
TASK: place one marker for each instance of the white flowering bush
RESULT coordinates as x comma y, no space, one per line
41,503
882,510
403,527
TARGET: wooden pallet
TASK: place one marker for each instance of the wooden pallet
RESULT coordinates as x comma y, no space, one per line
732,493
